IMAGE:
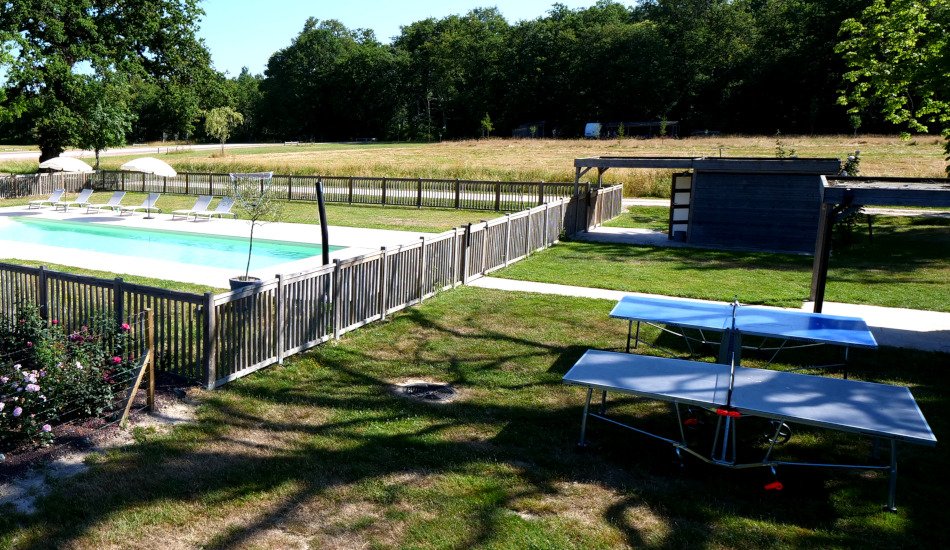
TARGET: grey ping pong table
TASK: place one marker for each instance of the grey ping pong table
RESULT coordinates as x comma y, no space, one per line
732,393
764,322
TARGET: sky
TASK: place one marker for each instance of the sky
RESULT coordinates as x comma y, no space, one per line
245,33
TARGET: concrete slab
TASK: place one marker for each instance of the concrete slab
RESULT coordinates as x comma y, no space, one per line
357,242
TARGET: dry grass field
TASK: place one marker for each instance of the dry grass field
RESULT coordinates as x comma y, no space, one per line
551,160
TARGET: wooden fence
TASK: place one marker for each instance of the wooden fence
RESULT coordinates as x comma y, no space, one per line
214,339
502,196
12,187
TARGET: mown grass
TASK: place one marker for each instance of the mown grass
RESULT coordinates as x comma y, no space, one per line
646,217
134,279
320,453
904,265
547,160
432,220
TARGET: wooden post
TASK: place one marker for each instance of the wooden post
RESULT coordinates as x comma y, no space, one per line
384,192
123,180
350,196
186,182
164,184
527,235
150,339
544,227
43,293
210,357
507,238
455,257
577,180
497,196
458,194
281,318
290,188
484,247
541,192
337,310
211,184
118,299
383,284
466,242
422,269
419,193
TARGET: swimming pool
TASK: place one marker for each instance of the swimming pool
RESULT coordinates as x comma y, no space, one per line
174,246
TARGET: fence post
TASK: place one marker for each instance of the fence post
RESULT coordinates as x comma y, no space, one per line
122,180
544,238
383,284
484,247
455,256
143,182
541,192
211,184
466,242
527,235
150,338
186,182
41,283
290,188
419,193
350,199
118,299
337,310
507,238
458,195
210,357
281,319
164,184
422,269
384,191
497,196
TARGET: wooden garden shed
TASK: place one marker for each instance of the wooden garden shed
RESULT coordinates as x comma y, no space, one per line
744,203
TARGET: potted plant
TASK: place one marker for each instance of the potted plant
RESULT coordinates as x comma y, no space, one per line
254,197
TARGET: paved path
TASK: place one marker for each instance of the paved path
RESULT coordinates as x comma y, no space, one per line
902,328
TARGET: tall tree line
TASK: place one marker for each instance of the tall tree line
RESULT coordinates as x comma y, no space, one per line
76,76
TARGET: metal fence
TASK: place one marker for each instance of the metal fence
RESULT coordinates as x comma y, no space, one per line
506,196
214,339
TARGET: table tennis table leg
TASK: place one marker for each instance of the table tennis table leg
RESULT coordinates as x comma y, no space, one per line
892,482
583,441
846,348
636,341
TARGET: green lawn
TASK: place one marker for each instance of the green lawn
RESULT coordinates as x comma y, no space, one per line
319,453
434,220
905,265
647,217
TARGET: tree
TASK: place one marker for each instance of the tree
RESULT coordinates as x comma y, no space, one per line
898,55
487,126
255,197
106,118
56,44
220,121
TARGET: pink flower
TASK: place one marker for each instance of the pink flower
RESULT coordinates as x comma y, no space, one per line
126,327
116,360
17,411
54,322
2,405
29,344
47,428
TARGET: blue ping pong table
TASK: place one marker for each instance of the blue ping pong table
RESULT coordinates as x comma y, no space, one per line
732,393
764,322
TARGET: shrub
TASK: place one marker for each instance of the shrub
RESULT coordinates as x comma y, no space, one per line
49,375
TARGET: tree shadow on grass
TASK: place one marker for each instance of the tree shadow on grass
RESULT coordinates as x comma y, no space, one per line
251,443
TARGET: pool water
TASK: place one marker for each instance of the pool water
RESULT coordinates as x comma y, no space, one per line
173,246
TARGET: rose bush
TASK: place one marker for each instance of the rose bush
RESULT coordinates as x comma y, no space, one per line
49,375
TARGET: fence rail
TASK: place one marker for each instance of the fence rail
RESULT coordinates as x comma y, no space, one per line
214,339
12,187
506,196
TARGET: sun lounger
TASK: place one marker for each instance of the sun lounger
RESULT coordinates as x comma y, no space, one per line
148,205
223,209
81,200
54,197
114,203
201,205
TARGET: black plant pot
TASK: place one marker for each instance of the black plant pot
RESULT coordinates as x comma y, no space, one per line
239,282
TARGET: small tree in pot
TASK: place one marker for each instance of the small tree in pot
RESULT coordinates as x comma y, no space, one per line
253,195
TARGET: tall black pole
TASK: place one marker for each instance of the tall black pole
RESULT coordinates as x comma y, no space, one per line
324,232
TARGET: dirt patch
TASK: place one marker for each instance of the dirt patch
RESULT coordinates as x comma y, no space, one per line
425,391
26,474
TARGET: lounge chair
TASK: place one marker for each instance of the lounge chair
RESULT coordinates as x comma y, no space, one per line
54,197
81,200
148,205
201,205
114,203
223,209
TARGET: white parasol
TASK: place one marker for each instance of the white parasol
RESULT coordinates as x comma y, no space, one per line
150,165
